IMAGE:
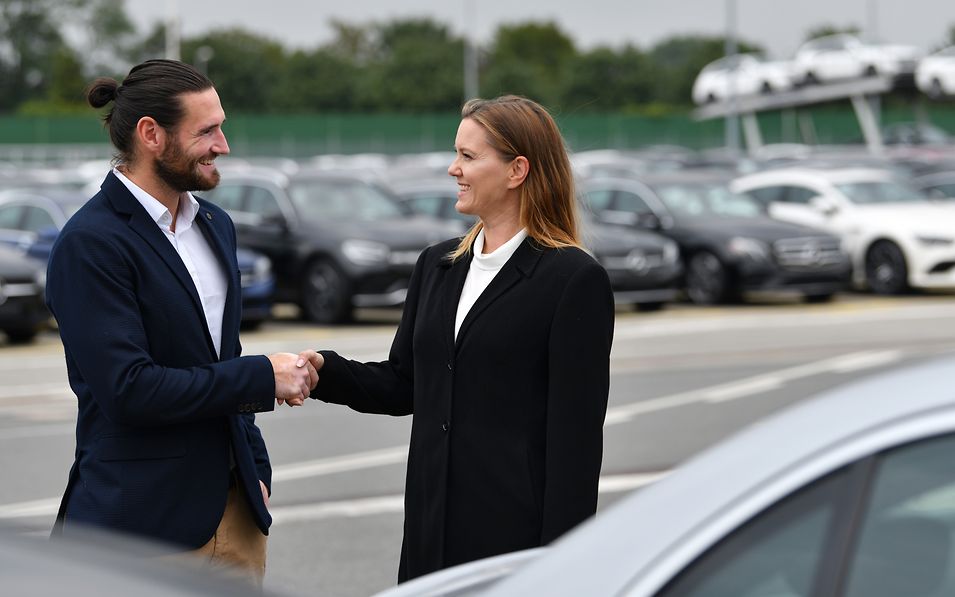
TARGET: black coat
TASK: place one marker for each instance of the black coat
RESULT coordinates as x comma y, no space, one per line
507,436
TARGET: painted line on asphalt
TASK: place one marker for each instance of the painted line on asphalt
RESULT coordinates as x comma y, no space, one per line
338,464
753,385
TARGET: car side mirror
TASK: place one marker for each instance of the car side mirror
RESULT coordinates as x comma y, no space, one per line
824,205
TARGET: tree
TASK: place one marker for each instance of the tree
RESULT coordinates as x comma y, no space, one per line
530,59
607,80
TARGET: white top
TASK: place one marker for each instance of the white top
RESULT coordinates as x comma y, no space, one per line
483,269
195,252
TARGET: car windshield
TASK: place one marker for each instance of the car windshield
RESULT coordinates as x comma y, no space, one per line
879,191
342,200
702,199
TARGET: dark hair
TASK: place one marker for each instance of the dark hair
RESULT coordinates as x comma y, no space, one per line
150,89
516,126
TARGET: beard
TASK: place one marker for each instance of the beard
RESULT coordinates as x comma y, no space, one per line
182,173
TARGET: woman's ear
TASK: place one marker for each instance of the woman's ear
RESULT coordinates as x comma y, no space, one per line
517,172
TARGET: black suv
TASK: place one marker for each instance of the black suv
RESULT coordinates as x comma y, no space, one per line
336,241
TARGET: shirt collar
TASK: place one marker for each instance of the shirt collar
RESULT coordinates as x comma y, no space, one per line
188,206
497,258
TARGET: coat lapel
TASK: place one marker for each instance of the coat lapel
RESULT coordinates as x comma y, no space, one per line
453,284
233,304
140,222
519,266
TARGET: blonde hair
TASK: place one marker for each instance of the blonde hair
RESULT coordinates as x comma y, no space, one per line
517,126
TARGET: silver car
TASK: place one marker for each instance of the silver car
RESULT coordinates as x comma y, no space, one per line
851,494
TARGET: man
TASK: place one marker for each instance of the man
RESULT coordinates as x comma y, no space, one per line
144,285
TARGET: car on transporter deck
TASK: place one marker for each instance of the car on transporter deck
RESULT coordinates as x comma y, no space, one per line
850,494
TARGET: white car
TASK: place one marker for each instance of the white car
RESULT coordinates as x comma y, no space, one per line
851,494
843,56
740,74
896,237
935,74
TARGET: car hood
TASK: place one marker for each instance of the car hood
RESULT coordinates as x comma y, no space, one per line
17,267
604,239
764,229
918,217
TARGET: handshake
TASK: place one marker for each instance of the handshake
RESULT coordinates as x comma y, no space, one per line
296,375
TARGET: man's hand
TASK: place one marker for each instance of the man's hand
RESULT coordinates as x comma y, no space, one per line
293,382
265,493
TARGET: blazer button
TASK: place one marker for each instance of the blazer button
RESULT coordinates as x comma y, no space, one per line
445,426
449,367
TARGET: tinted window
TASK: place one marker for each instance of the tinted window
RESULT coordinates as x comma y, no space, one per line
342,200
800,195
227,196
598,200
941,191
261,201
627,201
38,219
11,216
905,546
767,195
777,553
706,199
879,192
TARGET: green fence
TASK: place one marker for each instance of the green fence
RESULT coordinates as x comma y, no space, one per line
306,135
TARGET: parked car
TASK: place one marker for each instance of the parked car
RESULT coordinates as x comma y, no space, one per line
336,241
935,74
23,312
740,74
31,218
897,238
848,494
915,133
844,56
644,267
728,246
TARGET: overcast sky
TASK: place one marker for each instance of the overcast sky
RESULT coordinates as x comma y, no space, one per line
777,25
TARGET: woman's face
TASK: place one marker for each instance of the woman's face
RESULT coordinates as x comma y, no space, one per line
482,175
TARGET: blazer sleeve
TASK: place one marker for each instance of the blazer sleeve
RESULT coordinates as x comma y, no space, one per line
578,388
109,347
386,387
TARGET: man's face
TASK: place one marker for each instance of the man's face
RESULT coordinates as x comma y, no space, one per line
188,161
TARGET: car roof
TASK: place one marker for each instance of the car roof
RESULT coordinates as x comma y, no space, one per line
833,174
58,195
691,176
740,477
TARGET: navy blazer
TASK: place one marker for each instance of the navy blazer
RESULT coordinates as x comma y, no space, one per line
162,418
506,441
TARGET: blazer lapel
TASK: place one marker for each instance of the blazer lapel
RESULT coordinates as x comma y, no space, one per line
233,304
453,284
140,222
519,266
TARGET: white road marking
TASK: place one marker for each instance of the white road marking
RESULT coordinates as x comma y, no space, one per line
338,464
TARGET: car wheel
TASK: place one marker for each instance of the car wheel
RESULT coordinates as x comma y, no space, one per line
649,307
711,98
870,71
20,336
248,325
707,280
885,268
810,79
325,294
935,91
766,88
819,298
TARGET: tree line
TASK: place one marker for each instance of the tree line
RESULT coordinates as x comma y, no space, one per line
50,49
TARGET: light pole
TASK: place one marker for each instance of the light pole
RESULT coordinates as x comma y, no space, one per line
732,117
172,29
203,55
470,53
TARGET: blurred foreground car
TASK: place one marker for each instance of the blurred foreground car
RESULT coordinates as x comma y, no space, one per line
844,56
644,267
728,246
935,74
336,241
851,494
740,74
897,237
31,218
23,311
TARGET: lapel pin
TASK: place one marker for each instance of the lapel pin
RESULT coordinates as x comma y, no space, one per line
208,216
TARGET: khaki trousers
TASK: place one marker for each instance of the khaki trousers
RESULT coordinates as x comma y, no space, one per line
237,549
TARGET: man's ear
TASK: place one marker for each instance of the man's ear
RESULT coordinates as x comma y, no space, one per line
152,137
517,172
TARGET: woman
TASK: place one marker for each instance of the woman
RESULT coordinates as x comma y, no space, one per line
502,354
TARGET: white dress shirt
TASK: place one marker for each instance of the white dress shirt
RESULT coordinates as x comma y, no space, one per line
196,254
483,269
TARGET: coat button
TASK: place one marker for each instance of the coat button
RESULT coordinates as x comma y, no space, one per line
449,366
445,426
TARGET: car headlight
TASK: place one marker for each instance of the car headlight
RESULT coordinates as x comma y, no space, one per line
365,252
934,241
671,252
748,247
260,272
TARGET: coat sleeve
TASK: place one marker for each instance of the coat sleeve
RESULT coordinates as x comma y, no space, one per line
578,388
386,387
91,293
